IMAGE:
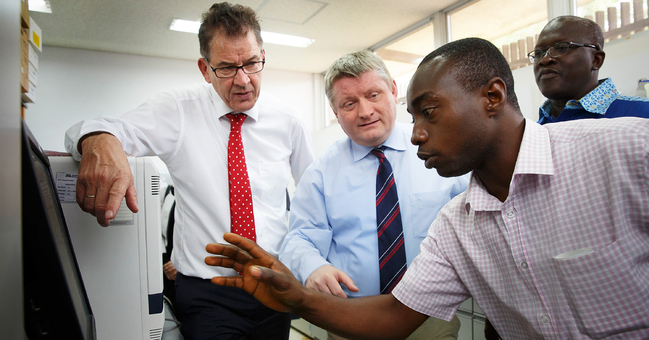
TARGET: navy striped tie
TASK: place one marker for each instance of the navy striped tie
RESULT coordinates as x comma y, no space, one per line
392,253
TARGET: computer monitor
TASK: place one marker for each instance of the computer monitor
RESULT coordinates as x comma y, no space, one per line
55,301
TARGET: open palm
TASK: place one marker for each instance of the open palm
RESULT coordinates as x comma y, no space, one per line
264,276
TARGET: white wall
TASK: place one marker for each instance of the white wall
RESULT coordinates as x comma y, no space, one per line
78,84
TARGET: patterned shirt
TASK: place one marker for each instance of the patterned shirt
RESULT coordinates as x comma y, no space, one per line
603,102
566,256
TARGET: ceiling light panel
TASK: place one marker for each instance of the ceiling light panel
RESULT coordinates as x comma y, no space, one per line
42,6
189,26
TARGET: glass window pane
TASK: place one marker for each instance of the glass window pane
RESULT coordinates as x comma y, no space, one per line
502,22
403,55
590,8
420,42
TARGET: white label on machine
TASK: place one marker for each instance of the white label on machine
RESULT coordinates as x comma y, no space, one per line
66,186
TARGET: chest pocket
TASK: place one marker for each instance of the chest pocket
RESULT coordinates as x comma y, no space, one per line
273,180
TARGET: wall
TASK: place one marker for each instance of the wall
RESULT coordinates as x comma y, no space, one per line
11,280
78,84
627,60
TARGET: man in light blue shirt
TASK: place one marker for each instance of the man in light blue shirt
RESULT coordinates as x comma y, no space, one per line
332,243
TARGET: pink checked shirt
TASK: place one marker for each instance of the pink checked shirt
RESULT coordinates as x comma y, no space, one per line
566,256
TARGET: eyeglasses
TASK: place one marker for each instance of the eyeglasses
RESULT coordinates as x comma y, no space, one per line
555,50
231,71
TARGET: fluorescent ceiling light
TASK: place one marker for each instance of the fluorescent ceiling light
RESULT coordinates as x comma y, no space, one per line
42,6
188,26
269,37
285,39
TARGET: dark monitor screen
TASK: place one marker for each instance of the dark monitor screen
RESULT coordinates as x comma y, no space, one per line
56,303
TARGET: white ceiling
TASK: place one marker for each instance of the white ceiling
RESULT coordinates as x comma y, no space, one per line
142,26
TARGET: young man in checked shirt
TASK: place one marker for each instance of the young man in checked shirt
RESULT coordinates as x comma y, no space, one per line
551,237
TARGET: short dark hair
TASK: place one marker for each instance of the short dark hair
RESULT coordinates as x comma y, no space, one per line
474,63
589,28
231,20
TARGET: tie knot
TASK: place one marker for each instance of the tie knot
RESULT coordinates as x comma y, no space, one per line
378,152
236,120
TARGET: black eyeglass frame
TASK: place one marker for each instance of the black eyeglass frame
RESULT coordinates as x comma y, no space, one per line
533,59
237,68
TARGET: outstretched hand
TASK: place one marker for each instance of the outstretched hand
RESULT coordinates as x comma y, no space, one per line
270,282
264,276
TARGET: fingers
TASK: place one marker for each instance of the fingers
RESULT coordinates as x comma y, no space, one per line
243,243
109,198
81,197
335,288
100,201
347,281
228,250
105,178
319,286
224,262
131,198
233,281
327,279
169,270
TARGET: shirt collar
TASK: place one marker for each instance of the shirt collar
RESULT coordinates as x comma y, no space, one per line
596,101
222,109
395,141
534,158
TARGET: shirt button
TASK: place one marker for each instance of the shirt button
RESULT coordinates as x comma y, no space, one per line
524,265
545,318
510,214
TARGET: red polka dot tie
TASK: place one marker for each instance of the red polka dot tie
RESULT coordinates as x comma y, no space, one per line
242,220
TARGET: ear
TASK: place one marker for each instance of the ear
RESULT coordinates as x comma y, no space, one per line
598,59
395,91
334,110
495,93
205,70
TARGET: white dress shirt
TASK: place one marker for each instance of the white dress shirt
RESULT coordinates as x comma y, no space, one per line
188,130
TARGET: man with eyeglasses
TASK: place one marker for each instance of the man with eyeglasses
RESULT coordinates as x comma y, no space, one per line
206,133
567,58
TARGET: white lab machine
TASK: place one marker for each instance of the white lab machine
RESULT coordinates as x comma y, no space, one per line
121,264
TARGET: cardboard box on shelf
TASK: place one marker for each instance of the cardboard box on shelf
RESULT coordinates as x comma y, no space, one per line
24,43
33,75
24,13
24,76
33,56
35,35
30,95
24,61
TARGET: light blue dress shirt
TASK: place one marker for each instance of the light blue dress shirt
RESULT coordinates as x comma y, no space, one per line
333,212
